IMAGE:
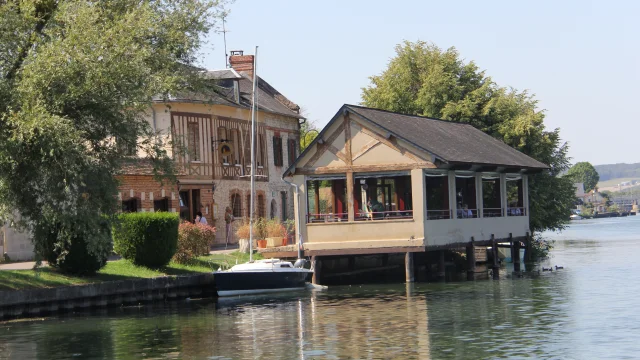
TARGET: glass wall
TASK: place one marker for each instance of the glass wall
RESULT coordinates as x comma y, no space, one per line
326,200
382,197
515,196
491,197
466,196
437,189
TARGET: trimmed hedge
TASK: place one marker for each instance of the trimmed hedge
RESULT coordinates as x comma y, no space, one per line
146,239
77,259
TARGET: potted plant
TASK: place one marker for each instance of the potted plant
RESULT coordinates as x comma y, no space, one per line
290,228
260,232
243,235
275,232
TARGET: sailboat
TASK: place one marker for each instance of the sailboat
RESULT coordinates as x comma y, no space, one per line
261,276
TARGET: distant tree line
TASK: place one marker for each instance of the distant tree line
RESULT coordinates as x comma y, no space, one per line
615,171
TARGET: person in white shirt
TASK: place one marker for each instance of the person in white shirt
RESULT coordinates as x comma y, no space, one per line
201,219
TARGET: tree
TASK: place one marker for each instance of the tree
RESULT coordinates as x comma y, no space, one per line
584,172
422,79
76,78
308,132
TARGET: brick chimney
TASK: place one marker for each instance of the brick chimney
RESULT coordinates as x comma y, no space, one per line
240,62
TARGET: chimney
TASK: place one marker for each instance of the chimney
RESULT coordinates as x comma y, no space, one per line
240,62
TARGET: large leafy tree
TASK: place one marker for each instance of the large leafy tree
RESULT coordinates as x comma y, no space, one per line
585,173
76,78
423,79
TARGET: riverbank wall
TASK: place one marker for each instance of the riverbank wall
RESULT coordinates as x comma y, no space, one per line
36,302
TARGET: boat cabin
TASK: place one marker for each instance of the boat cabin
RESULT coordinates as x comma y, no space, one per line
375,181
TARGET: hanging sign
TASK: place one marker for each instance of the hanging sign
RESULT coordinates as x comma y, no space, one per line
225,149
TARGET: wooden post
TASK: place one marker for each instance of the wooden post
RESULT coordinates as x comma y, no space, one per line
316,264
511,246
441,266
408,267
527,249
494,249
516,258
350,210
471,260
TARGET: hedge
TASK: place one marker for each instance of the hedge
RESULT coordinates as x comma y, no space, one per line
146,239
77,259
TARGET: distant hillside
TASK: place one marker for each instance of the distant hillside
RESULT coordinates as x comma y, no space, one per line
615,171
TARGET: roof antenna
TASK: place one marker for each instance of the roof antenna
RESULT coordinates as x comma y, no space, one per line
224,36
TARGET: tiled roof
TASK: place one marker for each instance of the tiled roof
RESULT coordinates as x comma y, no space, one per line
449,141
269,99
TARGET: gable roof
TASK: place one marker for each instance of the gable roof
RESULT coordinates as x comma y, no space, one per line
269,99
450,142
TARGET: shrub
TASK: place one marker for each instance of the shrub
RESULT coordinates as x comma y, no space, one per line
275,229
147,239
193,240
243,230
67,250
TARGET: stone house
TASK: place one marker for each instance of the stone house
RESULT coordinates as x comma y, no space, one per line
211,148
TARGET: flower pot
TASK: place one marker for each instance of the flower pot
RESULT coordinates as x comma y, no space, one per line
285,241
273,241
262,244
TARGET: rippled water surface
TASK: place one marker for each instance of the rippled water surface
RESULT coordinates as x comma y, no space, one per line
588,310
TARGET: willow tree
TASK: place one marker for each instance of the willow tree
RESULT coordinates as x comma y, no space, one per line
76,78
423,79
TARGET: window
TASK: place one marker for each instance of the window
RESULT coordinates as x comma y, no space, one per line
235,144
161,205
326,200
466,197
260,151
246,148
193,140
126,146
130,205
277,151
491,198
291,150
185,205
236,205
283,197
515,197
261,206
437,189
222,137
382,197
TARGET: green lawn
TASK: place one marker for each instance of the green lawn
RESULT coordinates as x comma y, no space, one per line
115,270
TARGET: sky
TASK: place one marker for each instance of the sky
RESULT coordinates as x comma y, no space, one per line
581,59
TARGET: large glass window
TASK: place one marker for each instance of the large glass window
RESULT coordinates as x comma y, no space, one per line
382,197
236,204
437,189
193,140
466,196
491,198
326,200
515,197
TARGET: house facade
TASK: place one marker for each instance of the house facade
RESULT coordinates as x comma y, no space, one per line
374,181
211,138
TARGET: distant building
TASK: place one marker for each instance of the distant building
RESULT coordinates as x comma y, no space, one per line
579,190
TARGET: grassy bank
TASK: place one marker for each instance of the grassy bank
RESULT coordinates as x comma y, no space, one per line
114,270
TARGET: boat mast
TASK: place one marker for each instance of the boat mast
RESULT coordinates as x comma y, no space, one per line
253,153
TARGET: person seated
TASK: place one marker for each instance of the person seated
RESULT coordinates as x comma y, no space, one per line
468,213
376,208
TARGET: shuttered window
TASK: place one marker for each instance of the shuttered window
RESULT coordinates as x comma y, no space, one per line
277,151
291,150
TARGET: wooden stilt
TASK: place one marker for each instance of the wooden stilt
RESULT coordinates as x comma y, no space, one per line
471,260
496,267
441,266
408,267
316,264
516,258
527,248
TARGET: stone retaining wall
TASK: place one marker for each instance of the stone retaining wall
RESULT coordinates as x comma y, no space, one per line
112,293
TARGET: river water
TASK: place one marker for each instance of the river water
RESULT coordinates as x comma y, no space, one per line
588,310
